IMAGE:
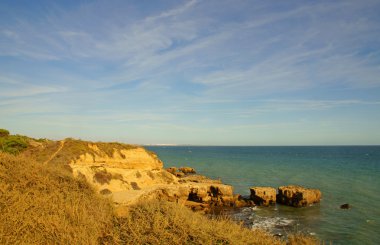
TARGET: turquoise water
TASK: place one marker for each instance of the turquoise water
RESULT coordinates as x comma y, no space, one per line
344,174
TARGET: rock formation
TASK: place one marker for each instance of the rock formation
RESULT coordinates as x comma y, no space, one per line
172,170
133,175
263,196
298,196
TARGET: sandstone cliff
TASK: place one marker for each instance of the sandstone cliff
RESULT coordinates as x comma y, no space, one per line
130,173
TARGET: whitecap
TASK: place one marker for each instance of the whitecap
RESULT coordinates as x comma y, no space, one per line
271,223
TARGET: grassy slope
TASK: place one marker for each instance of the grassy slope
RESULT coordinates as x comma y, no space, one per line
46,205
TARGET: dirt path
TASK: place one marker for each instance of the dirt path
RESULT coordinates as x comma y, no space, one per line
62,142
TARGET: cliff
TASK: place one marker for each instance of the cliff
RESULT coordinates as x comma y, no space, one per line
130,173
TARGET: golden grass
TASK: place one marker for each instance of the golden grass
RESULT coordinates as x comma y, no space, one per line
169,223
301,239
43,152
44,204
73,148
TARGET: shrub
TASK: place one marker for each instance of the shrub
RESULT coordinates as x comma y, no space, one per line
103,177
4,132
13,144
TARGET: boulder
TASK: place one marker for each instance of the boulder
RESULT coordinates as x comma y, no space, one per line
298,196
187,170
263,196
345,206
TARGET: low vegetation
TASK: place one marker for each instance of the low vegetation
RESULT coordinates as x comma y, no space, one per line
12,144
4,132
169,223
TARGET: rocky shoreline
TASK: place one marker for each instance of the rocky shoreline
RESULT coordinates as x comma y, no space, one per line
222,196
133,174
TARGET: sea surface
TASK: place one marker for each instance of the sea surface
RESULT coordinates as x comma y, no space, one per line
344,174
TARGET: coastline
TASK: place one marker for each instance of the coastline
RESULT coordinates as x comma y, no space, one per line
70,177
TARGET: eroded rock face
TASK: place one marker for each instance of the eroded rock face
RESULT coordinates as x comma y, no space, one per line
137,158
263,196
298,196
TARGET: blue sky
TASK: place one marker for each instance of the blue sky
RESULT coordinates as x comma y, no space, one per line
192,72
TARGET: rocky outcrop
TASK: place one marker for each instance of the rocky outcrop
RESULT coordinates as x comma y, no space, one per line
298,196
187,170
263,196
172,170
207,194
133,175
181,171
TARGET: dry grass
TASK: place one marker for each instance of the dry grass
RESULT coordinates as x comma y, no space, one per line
45,205
169,223
109,148
43,152
73,148
301,239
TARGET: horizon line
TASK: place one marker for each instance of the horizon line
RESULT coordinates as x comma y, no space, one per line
164,145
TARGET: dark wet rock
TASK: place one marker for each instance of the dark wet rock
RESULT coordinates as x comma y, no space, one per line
345,206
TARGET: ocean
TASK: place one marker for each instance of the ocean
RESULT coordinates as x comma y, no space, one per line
344,174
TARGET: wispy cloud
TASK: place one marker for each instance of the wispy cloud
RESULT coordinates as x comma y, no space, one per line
11,87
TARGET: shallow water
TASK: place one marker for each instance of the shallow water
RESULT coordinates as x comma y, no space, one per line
344,174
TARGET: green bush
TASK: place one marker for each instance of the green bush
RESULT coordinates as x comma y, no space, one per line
4,132
13,144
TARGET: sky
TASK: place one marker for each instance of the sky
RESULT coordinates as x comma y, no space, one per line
215,72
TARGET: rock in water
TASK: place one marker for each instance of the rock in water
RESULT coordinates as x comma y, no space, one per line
263,196
298,196
345,206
